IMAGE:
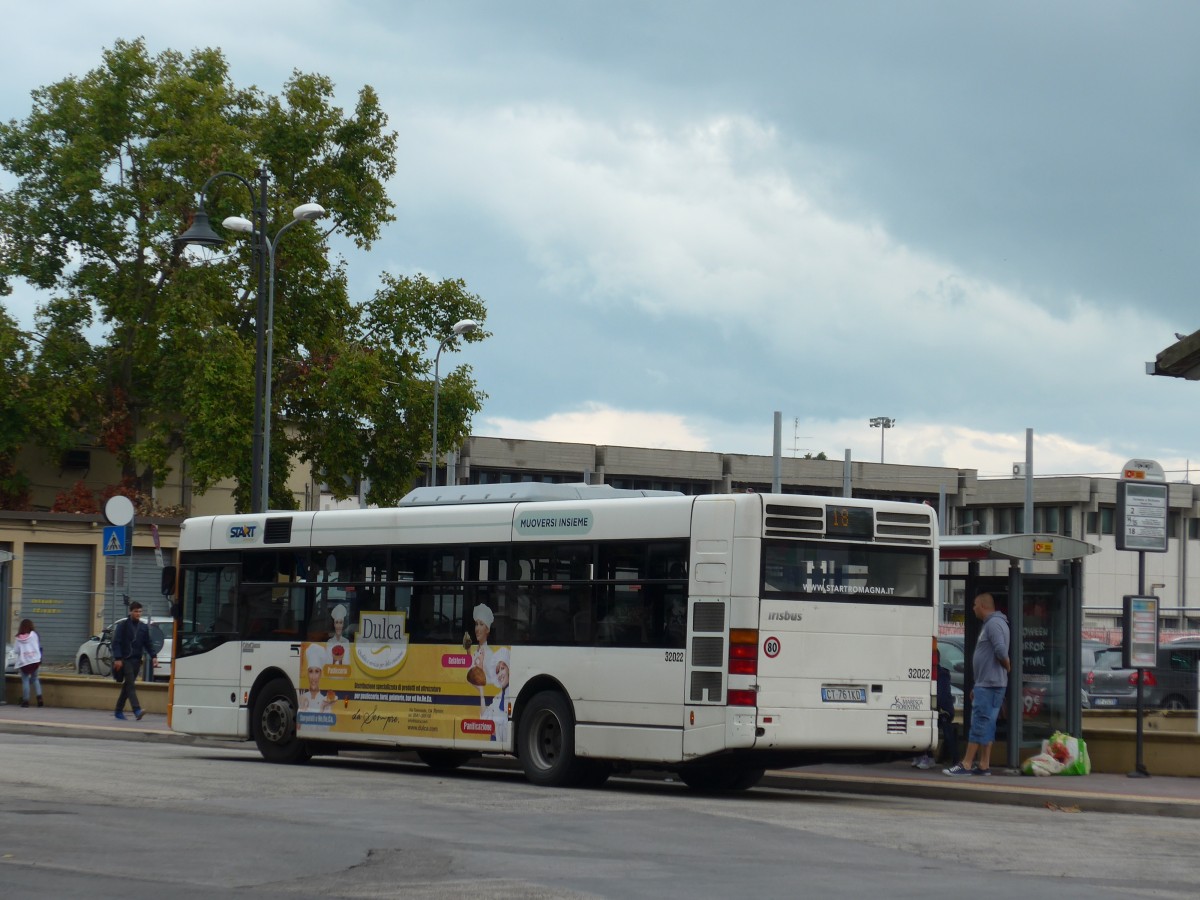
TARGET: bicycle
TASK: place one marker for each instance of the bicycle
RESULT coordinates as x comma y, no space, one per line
104,657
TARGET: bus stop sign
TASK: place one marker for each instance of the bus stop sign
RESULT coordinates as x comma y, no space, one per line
1142,495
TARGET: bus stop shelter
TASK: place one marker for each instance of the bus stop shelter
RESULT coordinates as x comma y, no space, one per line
1045,614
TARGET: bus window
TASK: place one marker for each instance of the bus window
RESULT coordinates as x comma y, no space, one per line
206,591
641,594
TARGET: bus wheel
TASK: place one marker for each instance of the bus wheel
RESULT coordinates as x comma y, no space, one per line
720,778
444,760
274,724
546,742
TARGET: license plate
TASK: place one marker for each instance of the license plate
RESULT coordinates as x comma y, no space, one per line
843,695
1104,701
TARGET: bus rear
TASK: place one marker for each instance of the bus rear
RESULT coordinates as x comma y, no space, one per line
831,621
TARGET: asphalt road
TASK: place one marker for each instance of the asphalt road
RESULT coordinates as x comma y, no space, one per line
83,817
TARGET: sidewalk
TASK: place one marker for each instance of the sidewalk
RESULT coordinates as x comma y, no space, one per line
1157,795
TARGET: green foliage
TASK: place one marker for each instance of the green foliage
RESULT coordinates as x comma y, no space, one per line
106,169
367,402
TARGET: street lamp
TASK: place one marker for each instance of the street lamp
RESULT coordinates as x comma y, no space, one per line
305,212
201,233
883,423
466,326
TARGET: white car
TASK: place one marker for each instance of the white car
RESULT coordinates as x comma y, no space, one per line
89,659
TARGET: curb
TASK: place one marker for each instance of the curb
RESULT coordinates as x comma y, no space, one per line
1034,796
130,732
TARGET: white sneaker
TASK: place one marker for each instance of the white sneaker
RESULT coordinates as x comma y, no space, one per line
925,762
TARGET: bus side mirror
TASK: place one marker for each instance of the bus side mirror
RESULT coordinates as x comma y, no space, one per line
167,588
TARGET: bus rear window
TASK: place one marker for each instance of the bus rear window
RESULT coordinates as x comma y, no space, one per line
870,574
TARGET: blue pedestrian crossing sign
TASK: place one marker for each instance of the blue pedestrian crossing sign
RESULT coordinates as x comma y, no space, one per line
115,540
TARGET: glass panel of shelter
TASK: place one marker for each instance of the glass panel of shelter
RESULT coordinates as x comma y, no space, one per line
1044,700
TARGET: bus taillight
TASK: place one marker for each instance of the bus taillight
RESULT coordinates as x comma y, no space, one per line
743,651
743,698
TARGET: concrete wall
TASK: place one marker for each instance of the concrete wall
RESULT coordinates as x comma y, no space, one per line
84,692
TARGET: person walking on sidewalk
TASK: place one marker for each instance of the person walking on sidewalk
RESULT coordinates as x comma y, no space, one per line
29,658
991,665
131,641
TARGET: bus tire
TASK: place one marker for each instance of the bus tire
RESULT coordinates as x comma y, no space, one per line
444,760
714,779
273,722
546,742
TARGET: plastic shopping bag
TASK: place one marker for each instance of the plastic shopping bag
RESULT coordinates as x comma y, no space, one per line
1041,764
1061,755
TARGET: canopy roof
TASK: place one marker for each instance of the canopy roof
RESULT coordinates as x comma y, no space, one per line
1014,546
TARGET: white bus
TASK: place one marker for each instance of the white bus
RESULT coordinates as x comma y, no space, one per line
579,628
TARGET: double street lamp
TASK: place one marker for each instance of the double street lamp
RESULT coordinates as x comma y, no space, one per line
201,233
466,326
883,423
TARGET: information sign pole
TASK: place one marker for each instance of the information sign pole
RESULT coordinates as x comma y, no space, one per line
1143,497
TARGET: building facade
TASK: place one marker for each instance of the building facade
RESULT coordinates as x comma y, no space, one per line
59,576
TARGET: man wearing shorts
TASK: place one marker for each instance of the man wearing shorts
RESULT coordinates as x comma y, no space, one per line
991,666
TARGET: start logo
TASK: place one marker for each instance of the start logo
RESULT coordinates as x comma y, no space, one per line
242,532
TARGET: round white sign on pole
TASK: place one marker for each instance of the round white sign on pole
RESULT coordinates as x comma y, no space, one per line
118,510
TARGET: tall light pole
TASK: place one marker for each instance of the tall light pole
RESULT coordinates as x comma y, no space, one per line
305,212
883,423
201,233
466,326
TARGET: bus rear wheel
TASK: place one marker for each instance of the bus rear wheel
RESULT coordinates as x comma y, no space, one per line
713,779
546,742
274,724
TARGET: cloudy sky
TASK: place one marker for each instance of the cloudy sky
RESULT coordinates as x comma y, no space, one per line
684,216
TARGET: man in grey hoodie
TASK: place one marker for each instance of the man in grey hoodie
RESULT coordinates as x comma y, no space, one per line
991,666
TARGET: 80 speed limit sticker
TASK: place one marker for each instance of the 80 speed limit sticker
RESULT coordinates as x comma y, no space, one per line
771,647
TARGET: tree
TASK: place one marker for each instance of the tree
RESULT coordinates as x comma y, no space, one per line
106,169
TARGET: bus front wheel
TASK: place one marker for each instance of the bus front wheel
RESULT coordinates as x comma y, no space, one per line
274,724
546,742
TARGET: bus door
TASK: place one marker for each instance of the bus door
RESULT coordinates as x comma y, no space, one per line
208,650
708,623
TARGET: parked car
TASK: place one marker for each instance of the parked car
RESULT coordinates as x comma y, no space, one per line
86,662
1090,650
1172,684
952,655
